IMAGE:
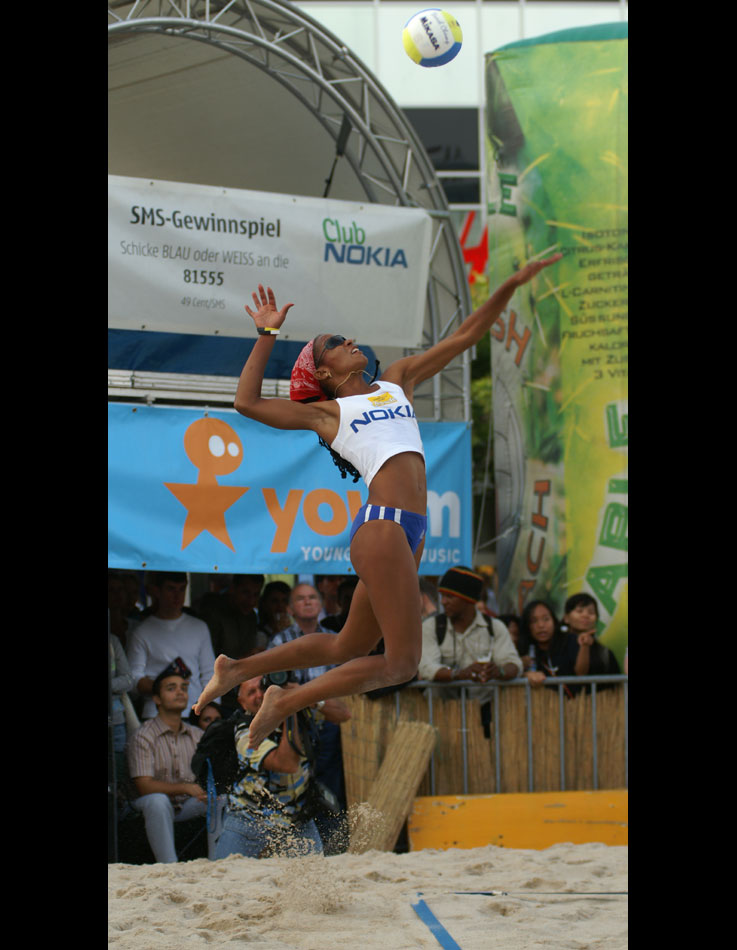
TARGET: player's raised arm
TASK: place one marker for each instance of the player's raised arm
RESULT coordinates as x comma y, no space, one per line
412,370
278,413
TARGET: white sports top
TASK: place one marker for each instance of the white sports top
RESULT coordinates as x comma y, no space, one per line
374,427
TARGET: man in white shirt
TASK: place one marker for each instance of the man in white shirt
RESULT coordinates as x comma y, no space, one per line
470,648
169,633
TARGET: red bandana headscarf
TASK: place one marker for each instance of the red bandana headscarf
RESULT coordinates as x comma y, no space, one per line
302,384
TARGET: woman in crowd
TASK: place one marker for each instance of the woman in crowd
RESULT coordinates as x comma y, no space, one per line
547,650
580,617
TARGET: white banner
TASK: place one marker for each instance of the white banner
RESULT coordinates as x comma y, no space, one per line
185,259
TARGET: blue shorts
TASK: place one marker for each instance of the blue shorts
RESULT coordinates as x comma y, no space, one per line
414,525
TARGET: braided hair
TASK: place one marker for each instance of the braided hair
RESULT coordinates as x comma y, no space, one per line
345,467
343,464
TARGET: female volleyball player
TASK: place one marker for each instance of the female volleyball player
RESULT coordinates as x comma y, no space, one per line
330,395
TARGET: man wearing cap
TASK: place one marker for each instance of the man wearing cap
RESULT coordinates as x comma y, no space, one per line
469,649
159,757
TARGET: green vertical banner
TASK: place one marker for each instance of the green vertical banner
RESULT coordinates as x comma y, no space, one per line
557,149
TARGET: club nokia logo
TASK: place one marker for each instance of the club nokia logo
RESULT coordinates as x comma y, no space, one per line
347,245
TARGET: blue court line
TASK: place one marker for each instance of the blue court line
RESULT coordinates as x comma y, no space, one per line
436,928
448,943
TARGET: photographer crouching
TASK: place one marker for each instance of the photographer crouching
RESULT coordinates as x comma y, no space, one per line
273,797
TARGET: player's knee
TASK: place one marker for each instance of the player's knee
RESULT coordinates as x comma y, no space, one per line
400,669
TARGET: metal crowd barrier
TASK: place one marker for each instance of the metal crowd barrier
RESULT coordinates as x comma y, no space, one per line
560,681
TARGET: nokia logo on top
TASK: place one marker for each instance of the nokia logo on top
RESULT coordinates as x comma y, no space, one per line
374,415
347,246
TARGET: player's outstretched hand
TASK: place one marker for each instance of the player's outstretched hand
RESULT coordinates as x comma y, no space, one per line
534,267
267,314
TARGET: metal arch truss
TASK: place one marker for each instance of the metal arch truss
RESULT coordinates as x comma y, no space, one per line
382,148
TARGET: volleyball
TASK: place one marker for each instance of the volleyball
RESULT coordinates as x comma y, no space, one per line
432,37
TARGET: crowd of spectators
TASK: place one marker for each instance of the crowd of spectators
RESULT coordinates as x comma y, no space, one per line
162,651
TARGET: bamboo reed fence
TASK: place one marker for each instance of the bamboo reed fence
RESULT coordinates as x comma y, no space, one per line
394,788
365,738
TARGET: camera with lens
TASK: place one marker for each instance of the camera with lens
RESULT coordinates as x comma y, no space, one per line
281,678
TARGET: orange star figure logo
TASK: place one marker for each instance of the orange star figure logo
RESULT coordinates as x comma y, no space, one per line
215,449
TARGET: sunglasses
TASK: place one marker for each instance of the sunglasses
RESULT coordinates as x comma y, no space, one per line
330,344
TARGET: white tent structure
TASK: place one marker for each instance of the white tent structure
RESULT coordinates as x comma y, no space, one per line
255,94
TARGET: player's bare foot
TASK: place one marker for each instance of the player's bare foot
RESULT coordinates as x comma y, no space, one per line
267,718
227,674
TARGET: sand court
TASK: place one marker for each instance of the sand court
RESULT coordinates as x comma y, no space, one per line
567,897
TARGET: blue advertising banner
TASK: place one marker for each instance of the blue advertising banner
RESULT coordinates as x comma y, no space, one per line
203,491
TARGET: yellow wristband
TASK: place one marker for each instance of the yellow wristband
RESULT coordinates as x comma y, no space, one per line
268,331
